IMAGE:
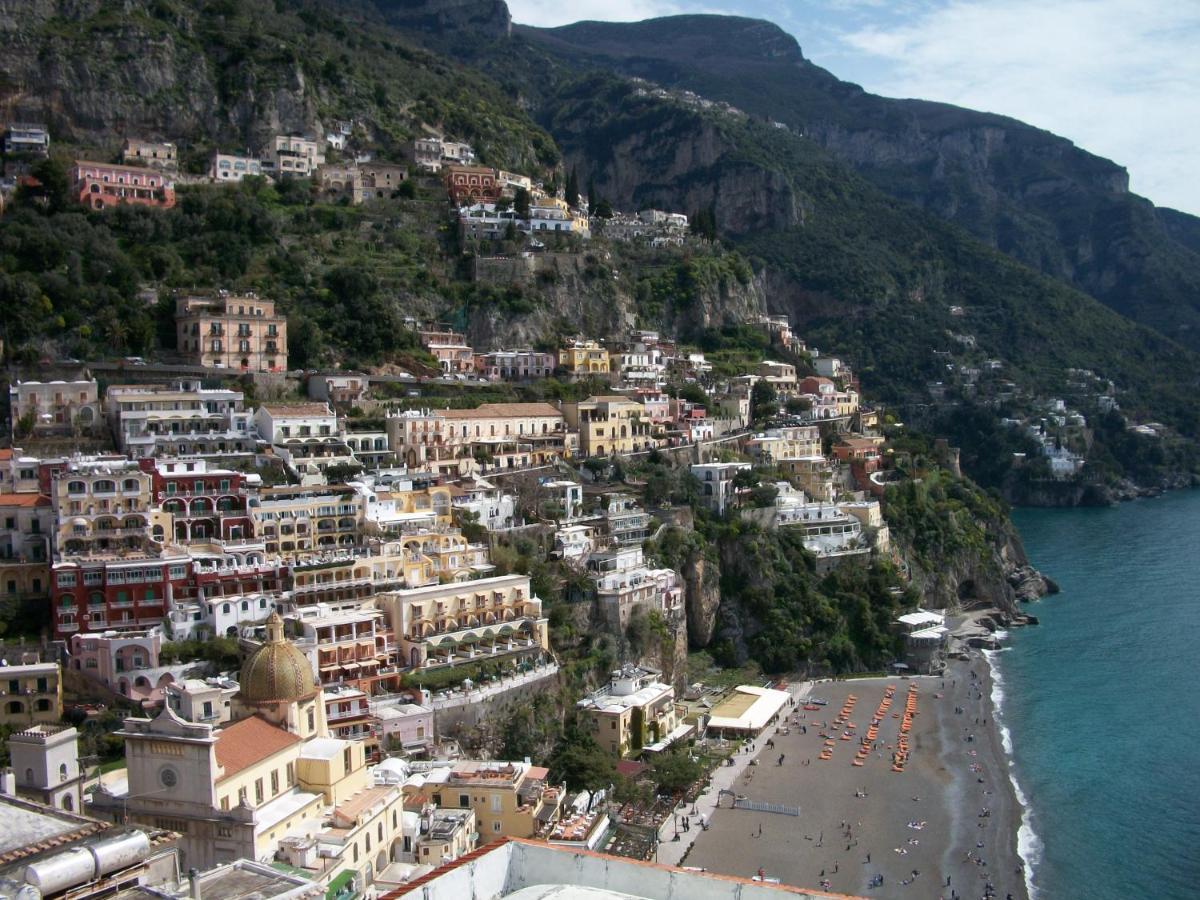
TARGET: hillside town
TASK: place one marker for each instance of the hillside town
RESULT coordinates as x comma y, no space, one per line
280,609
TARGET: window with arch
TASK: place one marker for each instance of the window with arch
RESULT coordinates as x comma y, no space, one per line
29,776
62,772
130,484
76,487
104,486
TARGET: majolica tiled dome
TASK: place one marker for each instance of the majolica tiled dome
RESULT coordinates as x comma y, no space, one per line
277,670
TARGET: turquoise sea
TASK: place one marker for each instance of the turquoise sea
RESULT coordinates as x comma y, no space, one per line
1102,701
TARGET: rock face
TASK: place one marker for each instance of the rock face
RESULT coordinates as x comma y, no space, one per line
996,576
702,599
659,157
581,295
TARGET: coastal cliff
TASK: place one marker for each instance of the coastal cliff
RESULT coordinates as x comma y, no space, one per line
960,547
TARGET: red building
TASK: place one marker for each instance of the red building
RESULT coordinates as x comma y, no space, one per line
472,184
205,502
859,451
101,185
95,594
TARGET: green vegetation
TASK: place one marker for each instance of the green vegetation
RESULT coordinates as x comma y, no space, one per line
221,652
791,617
938,516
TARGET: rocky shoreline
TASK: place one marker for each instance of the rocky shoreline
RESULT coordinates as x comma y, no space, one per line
1079,493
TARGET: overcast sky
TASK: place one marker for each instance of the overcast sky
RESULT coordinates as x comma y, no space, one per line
1120,78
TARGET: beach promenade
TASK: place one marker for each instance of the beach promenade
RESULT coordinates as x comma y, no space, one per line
866,829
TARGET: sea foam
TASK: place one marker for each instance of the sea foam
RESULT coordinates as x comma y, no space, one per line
1029,845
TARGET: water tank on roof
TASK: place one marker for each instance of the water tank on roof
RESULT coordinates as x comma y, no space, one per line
62,871
82,865
121,852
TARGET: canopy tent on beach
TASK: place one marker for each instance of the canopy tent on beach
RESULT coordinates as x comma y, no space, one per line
747,710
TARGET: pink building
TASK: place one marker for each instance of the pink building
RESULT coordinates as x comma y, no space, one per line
657,404
100,185
407,727
125,662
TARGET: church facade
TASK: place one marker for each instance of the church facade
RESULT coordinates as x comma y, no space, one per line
273,782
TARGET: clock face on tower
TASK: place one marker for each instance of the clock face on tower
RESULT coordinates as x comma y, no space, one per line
168,777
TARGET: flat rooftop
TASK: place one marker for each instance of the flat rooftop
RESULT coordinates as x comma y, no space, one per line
30,829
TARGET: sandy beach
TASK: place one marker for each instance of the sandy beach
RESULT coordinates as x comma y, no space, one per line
859,824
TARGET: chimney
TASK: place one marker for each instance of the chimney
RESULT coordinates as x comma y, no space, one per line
194,883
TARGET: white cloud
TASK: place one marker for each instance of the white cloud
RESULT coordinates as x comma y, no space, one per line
1120,78
552,13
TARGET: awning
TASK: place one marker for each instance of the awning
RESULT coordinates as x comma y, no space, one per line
677,734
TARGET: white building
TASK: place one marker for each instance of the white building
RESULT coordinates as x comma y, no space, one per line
296,155
231,167
45,761
717,491
180,419
203,699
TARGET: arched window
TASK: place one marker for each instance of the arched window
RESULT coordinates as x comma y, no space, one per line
69,803
29,776
225,608
104,486
130,484
62,772
76,487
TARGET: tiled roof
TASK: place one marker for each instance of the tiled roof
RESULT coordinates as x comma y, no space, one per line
501,410
27,500
297,409
250,741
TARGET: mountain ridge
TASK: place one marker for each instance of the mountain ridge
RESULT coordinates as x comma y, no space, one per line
1032,194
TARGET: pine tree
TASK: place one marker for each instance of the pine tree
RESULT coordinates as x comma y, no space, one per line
572,188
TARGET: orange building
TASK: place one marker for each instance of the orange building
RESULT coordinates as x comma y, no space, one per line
472,184
100,185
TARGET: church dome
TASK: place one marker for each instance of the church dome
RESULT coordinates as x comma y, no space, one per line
277,670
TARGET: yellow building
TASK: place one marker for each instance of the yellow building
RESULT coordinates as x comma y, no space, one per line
491,437
241,333
105,506
30,694
584,358
293,521
273,783
508,799
28,524
473,620
633,712
610,424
